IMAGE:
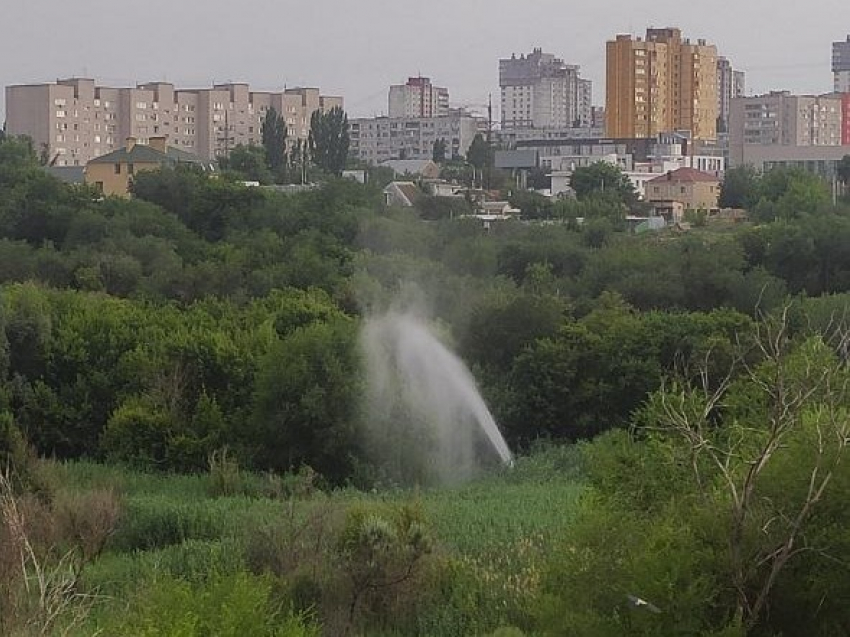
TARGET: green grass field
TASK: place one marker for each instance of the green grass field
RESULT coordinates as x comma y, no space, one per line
489,534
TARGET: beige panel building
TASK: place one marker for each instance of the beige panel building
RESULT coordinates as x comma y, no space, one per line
74,120
781,119
660,84
418,98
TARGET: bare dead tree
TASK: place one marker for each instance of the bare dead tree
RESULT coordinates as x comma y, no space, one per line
810,394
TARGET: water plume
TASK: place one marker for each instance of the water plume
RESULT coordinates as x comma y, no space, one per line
426,419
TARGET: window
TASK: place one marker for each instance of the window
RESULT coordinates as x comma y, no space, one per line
60,113
117,169
130,169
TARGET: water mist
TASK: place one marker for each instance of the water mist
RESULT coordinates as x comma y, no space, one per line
426,417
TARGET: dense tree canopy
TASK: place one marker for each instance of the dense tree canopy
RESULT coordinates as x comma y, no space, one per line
274,140
329,140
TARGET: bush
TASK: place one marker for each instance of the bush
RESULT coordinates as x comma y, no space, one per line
228,605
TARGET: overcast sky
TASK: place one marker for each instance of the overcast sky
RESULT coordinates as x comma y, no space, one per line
357,48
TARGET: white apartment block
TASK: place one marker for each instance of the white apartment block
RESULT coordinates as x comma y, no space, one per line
74,120
418,98
540,91
381,138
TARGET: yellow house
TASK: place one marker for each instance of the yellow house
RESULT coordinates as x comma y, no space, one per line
113,173
693,189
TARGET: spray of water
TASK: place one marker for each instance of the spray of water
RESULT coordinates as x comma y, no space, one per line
420,387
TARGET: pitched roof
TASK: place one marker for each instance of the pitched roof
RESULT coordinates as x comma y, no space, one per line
408,166
685,175
143,154
407,189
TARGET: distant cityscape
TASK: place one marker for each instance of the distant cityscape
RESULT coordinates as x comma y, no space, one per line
670,102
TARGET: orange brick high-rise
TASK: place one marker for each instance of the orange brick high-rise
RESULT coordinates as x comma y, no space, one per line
660,84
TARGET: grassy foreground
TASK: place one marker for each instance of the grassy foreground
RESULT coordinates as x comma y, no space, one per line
193,554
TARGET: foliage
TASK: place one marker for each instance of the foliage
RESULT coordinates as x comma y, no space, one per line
274,141
305,402
532,204
740,188
715,511
250,163
329,140
602,177
438,152
480,154
238,604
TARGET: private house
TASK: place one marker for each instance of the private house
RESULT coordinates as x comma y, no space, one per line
684,189
402,193
413,168
113,173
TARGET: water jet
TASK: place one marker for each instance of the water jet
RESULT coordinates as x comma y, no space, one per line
416,382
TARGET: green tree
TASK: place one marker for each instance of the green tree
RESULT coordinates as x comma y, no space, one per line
740,188
438,152
250,163
721,509
305,401
480,154
329,140
299,161
843,170
603,177
274,141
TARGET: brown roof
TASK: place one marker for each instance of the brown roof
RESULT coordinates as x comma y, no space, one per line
682,175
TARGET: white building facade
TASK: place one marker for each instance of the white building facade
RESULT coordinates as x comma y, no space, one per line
541,91
379,139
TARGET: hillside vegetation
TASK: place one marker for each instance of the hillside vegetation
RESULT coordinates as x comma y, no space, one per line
181,402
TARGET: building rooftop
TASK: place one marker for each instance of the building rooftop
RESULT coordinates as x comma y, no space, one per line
685,175
141,154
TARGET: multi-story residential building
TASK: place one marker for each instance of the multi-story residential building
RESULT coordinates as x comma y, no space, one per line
540,91
730,84
841,66
661,84
782,119
692,188
845,118
75,120
381,138
418,98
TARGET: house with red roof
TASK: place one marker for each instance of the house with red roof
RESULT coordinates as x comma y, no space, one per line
691,189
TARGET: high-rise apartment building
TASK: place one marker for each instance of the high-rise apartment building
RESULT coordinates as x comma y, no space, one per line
661,84
378,139
730,84
841,66
418,98
779,125
74,120
781,119
540,91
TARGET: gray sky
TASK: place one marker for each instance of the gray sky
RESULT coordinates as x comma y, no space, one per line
357,48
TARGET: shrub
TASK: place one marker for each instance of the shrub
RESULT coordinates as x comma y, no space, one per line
224,473
228,605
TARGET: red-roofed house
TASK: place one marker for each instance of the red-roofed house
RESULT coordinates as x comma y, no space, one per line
692,188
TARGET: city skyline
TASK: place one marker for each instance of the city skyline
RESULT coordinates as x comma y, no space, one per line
358,53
